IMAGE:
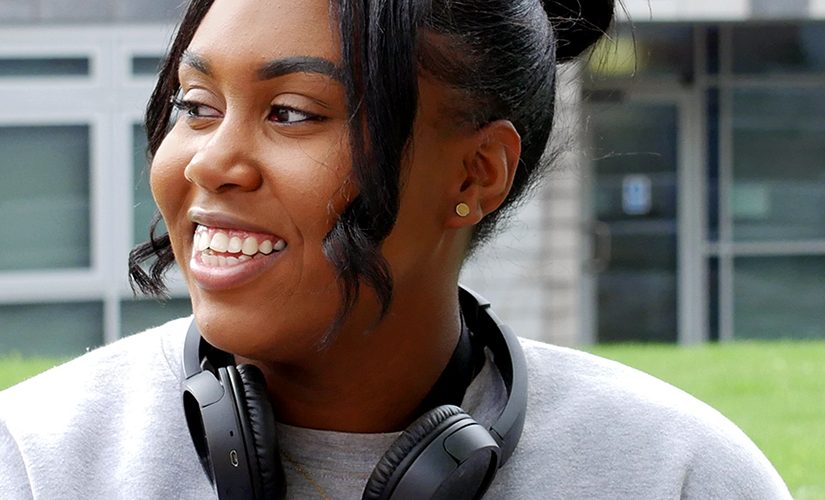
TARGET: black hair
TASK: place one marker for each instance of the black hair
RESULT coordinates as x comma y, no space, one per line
499,57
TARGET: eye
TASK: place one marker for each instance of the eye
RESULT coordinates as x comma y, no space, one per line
290,116
194,109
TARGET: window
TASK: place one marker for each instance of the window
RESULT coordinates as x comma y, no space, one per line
646,50
779,179
44,67
138,315
44,197
779,48
146,65
63,329
776,197
755,131
779,297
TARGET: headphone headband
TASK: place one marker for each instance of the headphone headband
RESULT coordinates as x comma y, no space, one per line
509,358
214,407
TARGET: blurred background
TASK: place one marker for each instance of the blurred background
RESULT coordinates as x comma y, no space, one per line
686,206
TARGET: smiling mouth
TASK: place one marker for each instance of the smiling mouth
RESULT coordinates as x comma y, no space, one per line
218,247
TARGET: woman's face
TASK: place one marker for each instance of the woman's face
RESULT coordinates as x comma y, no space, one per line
255,171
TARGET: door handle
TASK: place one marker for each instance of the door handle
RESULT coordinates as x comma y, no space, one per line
602,247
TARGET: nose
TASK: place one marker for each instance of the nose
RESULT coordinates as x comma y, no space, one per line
226,161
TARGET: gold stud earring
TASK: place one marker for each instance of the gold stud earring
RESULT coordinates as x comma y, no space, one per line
462,209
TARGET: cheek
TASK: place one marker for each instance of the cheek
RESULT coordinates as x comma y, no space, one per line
166,175
316,189
169,187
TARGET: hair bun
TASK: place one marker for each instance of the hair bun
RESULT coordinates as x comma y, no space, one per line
578,24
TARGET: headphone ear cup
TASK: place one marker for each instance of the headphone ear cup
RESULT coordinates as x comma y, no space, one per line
417,432
262,437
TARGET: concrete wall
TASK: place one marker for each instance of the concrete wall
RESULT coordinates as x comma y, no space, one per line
17,12
168,11
723,10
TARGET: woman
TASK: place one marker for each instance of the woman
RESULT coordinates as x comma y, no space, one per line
329,167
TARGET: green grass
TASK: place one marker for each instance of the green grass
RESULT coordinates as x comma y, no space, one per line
15,368
774,391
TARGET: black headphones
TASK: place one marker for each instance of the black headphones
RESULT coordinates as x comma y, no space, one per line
444,454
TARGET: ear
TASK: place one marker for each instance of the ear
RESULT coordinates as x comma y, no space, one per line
487,174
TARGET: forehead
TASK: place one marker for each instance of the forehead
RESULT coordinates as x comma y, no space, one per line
256,31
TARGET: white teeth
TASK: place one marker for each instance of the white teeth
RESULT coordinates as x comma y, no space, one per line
266,247
220,242
202,240
222,261
250,246
235,245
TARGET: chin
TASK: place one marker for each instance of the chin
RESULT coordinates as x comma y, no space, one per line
244,331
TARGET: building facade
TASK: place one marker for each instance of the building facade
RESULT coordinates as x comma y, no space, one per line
687,204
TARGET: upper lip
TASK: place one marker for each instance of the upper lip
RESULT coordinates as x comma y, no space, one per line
224,220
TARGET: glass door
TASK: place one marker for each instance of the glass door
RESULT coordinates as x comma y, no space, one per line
632,278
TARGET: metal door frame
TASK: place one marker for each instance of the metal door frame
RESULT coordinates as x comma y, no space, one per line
692,295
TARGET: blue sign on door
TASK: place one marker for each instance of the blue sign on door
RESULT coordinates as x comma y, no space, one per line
637,198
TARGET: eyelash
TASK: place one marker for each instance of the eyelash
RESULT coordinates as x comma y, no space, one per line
191,107
307,117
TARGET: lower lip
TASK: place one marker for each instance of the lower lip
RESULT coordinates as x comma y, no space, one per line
225,278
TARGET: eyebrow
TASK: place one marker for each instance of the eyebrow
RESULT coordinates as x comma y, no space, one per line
299,64
274,68
195,61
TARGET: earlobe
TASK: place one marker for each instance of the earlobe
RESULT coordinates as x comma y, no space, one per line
488,170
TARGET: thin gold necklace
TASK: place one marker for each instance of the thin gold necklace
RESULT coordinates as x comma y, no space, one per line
307,476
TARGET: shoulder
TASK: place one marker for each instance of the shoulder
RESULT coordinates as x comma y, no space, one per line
607,423
147,356
582,390
91,422
585,379
98,381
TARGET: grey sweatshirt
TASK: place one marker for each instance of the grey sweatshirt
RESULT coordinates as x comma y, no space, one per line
109,425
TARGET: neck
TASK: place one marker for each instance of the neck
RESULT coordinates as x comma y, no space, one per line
371,381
